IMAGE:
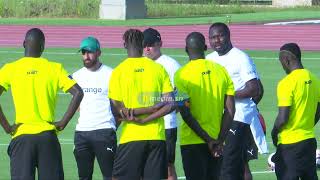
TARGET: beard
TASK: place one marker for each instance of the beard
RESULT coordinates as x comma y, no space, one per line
89,63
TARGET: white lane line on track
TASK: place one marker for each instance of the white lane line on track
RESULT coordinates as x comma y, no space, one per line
295,22
120,54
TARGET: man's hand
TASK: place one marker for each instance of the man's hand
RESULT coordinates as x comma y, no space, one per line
132,118
137,120
218,150
127,114
60,125
14,128
214,147
124,113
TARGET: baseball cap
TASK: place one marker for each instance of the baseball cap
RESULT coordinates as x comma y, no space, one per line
90,44
150,36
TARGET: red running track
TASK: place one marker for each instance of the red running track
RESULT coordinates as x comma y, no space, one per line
254,37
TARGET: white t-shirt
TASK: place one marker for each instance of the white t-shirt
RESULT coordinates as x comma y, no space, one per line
241,69
95,110
171,67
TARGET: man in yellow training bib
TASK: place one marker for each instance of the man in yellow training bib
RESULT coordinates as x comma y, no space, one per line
299,111
34,83
139,84
206,103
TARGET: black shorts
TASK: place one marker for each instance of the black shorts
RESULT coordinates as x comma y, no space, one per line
251,147
235,151
30,151
198,163
141,159
294,161
100,144
171,139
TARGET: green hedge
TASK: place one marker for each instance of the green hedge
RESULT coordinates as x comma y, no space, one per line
49,8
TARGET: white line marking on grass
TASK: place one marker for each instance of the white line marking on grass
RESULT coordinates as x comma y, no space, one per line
262,172
119,54
254,172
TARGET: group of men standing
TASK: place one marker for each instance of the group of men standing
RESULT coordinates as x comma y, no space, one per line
216,95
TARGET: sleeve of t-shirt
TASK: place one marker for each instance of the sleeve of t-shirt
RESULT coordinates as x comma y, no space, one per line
230,87
284,93
166,85
65,82
114,86
181,85
247,69
74,76
5,77
175,68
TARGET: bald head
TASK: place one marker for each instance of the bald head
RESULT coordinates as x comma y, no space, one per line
34,34
34,42
196,45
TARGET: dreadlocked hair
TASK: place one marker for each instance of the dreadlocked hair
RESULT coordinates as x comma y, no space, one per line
134,38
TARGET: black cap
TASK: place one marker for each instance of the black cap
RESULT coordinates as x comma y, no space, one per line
150,36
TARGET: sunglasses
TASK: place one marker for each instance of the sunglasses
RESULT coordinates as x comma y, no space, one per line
83,51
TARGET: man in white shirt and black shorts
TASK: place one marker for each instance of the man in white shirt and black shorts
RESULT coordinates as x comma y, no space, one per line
95,135
249,92
152,44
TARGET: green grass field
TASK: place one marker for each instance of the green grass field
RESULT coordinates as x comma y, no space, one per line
266,61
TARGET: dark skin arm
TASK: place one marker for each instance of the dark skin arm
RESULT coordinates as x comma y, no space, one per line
258,98
9,129
281,120
77,95
116,106
251,89
317,116
195,126
144,110
121,113
163,108
227,118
